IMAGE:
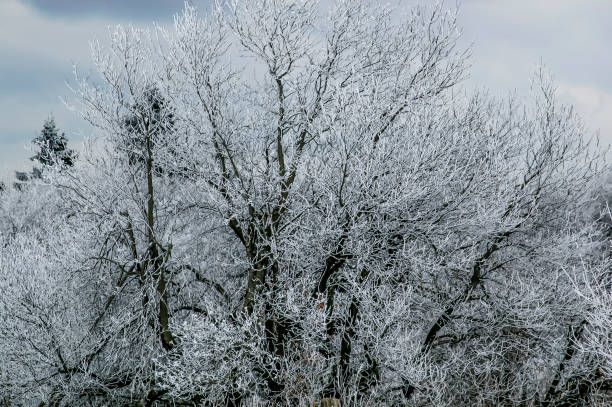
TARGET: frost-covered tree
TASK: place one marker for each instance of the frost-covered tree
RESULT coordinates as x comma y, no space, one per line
52,151
329,216
53,147
160,121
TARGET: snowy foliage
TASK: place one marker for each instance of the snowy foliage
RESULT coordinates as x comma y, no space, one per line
290,202
53,147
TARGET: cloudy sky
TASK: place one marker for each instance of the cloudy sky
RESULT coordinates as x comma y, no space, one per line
40,40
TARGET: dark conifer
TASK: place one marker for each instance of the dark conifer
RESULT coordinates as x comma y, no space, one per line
53,146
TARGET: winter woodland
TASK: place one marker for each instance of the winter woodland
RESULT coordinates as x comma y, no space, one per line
289,203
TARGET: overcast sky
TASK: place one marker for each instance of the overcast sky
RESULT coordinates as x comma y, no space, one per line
40,40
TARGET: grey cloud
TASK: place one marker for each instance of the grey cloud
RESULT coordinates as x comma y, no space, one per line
124,9
570,38
22,72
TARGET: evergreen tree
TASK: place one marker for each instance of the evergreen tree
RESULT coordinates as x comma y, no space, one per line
152,118
53,146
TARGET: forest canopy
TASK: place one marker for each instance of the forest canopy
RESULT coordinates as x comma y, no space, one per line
293,203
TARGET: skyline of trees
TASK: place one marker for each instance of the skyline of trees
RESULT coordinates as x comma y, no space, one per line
291,204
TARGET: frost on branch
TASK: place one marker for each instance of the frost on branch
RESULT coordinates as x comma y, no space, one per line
292,204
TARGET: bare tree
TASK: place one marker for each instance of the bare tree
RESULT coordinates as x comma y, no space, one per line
328,216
